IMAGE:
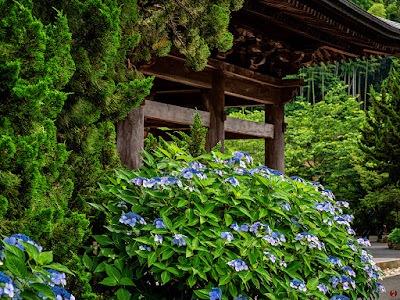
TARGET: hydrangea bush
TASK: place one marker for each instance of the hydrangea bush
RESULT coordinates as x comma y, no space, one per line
219,227
27,272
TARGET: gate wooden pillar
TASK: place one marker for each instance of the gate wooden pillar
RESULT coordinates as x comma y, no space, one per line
275,148
214,102
130,138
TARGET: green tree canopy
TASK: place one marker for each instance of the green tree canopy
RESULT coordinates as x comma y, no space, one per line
380,136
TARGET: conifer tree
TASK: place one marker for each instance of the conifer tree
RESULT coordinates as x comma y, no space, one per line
381,135
35,66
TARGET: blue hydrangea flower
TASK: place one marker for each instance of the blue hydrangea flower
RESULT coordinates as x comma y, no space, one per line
307,236
295,178
57,278
215,294
238,264
232,180
350,231
159,222
335,261
273,239
341,221
232,161
218,172
286,206
347,281
138,180
62,294
339,297
16,239
349,271
240,155
244,228
240,297
145,248
328,193
270,256
342,203
235,227
178,239
188,173
352,247
241,171
152,182
325,206
227,235
380,288
323,288
334,281
328,221
8,290
158,238
298,285
349,218
282,262
164,181
196,165
364,242
131,219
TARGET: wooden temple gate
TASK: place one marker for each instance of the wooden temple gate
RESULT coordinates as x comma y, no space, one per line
273,38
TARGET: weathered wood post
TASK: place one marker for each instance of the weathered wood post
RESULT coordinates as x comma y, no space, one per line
214,102
130,138
275,148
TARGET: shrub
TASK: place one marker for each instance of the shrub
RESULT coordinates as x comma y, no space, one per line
28,273
394,236
221,228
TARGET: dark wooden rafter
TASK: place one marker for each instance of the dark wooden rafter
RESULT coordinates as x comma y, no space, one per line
240,83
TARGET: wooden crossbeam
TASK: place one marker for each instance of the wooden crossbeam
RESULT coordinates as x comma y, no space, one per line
182,115
244,85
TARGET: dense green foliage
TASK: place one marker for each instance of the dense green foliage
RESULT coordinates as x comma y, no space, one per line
67,76
394,236
186,229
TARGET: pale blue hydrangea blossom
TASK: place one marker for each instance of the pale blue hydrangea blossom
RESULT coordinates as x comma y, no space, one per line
227,235
178,239
238,264
298,285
